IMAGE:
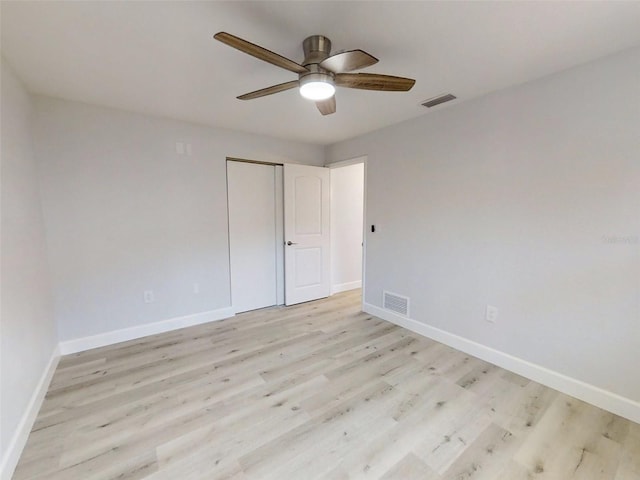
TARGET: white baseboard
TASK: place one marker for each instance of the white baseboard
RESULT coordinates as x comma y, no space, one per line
116,336
343,287
20,436
599,397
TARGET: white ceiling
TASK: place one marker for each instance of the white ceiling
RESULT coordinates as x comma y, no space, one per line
159,57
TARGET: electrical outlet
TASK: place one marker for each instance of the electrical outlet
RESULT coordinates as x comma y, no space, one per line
196,287
148,296
491,314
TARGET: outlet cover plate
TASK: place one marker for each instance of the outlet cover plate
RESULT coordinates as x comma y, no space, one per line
491,314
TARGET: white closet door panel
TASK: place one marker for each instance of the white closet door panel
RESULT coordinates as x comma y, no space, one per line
279,234
252,235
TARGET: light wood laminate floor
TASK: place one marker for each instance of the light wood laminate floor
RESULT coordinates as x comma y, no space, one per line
315,391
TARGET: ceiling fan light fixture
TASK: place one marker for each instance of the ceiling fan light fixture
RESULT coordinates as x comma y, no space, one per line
320,71
317,86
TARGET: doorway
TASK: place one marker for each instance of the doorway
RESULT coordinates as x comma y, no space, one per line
347,224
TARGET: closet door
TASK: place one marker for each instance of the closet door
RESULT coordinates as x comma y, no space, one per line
252,235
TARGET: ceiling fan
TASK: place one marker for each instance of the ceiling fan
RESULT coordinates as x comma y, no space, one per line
320,72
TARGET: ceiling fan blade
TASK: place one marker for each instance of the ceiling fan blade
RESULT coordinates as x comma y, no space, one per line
281,87
259,52
347,61
328,106
373,81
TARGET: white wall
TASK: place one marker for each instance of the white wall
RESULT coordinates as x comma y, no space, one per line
514,200
125,213
28,334
347,196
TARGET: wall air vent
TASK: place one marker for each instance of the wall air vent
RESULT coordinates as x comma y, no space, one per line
432,102
395,303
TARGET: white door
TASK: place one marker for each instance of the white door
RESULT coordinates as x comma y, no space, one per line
252,235
306,233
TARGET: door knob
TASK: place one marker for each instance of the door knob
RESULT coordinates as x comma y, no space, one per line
291,243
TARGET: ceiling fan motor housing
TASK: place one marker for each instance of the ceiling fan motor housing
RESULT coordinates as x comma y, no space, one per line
316,49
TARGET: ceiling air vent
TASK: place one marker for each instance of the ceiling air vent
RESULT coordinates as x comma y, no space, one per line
432,102
395,303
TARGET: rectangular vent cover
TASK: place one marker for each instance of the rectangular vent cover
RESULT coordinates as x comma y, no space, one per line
395,303
432,102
